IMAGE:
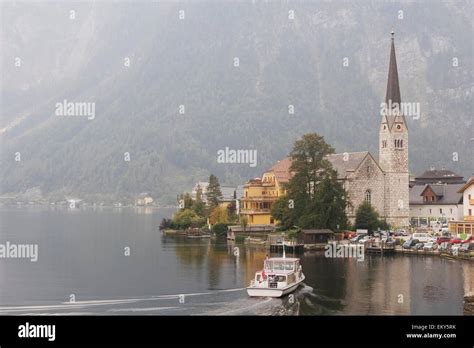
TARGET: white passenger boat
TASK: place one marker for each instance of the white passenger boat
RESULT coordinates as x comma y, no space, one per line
279,276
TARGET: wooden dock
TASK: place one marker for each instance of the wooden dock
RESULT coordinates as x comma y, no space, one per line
381,249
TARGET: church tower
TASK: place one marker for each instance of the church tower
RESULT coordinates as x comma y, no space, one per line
393,150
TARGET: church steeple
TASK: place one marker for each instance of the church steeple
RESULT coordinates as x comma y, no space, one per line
394,112
393,149
393,88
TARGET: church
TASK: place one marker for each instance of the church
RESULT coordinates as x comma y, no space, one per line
383,182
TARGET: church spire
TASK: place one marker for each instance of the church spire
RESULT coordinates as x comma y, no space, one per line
393,88
392,97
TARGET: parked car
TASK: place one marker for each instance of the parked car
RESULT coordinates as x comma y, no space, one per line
430,246
410,243
443,240
422,237
455,241
364,240
418,246
444,247
469,240
357,238
466,247
455,249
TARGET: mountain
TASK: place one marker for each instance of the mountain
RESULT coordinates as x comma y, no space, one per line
82,56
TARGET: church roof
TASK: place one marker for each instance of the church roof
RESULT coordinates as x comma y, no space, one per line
393,87
346,162
342,163
282,170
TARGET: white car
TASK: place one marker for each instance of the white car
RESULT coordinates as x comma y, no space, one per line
422,237
455,249
430,246
364,240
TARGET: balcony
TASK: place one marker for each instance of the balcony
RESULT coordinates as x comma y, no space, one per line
260,199
255,211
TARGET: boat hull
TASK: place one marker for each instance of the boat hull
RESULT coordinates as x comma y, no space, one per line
272,292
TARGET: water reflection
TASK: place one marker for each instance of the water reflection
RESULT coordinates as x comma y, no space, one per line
82,253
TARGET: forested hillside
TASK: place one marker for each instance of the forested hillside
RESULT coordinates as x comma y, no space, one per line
188,59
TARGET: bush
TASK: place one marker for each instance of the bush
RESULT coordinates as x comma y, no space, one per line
187,218
220,230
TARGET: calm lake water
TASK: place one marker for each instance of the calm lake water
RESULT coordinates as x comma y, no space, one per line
82,256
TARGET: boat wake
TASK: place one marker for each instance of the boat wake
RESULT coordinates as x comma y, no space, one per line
213,302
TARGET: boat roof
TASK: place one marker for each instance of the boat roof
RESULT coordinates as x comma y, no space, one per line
283,259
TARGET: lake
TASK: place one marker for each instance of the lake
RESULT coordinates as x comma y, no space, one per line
115,261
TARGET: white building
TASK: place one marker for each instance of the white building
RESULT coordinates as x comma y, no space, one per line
468,200
435,202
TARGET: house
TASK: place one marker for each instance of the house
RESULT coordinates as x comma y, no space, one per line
438,176
261,193
465,226
202,185
430,203
318,236
228,196
143,199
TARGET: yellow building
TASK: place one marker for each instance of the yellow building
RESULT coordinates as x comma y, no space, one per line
261,193
465,227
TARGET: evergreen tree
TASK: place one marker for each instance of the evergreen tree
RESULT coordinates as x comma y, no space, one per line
198,206
213,193
367,218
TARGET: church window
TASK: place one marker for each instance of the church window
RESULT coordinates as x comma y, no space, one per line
430,211
384,127
398,143
368,196
441,211
399,127
384,144
369,171
451,210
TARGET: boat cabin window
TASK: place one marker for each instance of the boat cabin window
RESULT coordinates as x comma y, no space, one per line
280,265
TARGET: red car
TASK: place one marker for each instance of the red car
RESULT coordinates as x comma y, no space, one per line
443,240
455,241
469,240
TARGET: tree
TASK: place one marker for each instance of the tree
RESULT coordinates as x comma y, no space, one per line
284,212
315,199
185,201
367,218
244,221
213,193
220,230
219,215
198,205
187,218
